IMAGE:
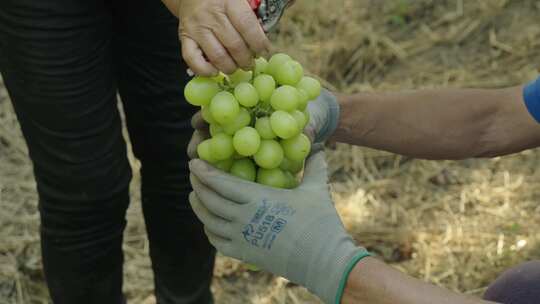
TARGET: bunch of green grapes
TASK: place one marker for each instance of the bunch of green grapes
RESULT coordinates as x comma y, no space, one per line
256,120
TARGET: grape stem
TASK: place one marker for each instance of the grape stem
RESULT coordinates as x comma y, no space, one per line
262,110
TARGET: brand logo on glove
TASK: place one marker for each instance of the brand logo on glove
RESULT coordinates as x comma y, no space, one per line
268,221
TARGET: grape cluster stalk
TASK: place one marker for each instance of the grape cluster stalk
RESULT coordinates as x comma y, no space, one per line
256,120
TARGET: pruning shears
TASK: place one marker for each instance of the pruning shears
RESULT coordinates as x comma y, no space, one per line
269,11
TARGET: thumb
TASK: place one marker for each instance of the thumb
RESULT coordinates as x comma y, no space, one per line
316,171
197,137
324,116
197,121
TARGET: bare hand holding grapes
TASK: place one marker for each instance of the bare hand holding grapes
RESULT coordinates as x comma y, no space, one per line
227,32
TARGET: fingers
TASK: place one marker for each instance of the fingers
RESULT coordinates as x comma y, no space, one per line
223,245
235,45
212,222
316,171
216,53
310,132
194,58
216,229
197,122
227,186
221,37
316,148
212,201
197,137
247,24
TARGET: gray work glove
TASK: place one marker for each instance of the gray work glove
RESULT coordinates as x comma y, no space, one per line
296,233
199,135
324,117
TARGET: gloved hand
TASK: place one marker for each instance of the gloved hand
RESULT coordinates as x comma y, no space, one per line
296,233
199,135
324,118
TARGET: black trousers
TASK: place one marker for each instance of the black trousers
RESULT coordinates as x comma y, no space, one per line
63,62
518,285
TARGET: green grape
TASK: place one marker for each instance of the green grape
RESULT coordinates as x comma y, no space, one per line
203,150
270,154
219,78
311,85
292,166
285,98
240,76
245,169
246,141
199,91
224,165
221,147
260,66
275,62
246,94
290,180
242,120
263,126
289,73
296,148
300,118
284,124
303,99
272,177
207,116
224,108
265,86
215,129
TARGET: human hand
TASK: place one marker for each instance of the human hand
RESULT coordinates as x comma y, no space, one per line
293,233
226,32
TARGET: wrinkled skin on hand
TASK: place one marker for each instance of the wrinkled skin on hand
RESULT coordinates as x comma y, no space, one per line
218,35
200,134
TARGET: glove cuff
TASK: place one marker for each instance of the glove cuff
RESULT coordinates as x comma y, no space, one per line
331,122
333,266
363,253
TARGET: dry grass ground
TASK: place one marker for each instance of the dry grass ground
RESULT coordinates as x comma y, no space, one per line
455,224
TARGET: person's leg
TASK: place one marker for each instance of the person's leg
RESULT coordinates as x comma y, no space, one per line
151,78
56,63
519,285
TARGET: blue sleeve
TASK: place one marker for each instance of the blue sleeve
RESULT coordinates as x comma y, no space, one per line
531,95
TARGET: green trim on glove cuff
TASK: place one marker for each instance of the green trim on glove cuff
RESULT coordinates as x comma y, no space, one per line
345,277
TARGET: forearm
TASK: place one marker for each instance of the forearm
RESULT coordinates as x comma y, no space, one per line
374,282
439,124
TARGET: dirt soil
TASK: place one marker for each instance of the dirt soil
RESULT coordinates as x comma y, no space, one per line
456,224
